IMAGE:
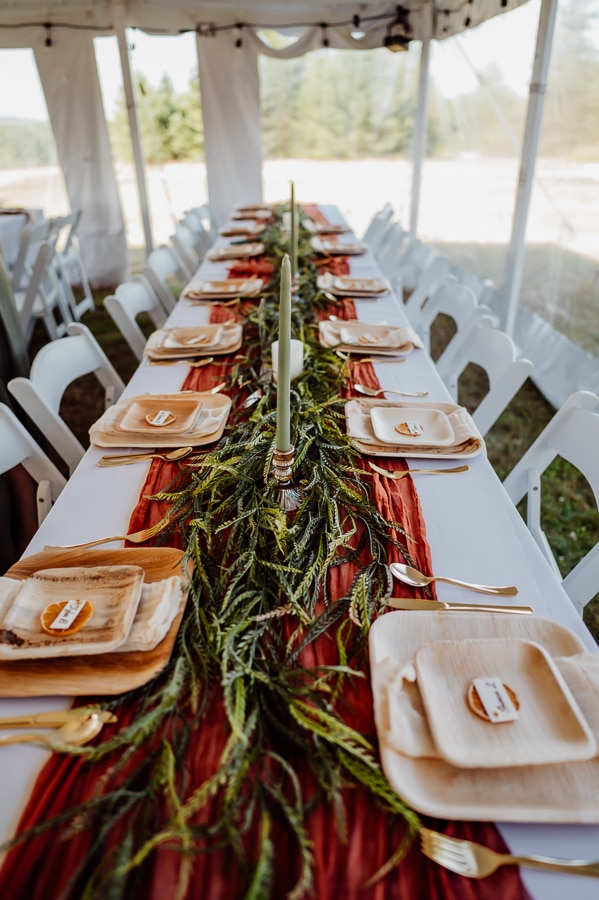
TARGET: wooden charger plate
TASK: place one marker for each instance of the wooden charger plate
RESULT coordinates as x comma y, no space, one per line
106,673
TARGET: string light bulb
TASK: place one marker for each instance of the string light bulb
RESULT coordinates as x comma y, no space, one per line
398,33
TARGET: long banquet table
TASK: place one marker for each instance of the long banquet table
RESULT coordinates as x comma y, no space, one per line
473,531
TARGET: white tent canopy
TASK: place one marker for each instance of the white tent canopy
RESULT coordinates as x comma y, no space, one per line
61,34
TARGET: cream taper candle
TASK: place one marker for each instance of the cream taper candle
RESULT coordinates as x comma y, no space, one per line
283,438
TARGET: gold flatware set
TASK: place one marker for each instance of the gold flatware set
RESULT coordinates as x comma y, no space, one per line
66,728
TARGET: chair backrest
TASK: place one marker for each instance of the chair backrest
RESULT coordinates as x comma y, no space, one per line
393,244
376,228
69,265
166,264
429,280
495,352
194,221
130,300
159,286
55,366
17,447
30,238
450,299
184,245
573,434
41,297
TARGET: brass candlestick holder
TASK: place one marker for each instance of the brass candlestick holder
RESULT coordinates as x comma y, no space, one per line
289,496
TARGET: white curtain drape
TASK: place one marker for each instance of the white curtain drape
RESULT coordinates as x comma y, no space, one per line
70,82
230,91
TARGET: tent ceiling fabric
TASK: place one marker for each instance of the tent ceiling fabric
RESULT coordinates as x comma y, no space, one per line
172,16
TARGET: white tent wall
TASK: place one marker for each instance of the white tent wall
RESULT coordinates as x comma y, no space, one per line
230,91
228,82
69,79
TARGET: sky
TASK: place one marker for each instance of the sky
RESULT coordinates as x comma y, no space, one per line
153,56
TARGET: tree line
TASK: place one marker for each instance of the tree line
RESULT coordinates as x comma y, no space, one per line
348,104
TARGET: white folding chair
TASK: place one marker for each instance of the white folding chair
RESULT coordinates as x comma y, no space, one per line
376,228
573,434
69,265
31,237
428,282
495,352
196,223
184,245
55,366
130,300
17,447
40,297
392,246
158,287
454,300
166,264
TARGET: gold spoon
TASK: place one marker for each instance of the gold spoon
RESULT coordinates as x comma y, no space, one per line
347,357
124,458
412,576
397,475
372,392
75,732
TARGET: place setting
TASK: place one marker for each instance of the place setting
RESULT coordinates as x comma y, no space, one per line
185,419
224,289
486,717
246,229
337,247
243,250
359,288
352,335
80,621
409,429
189,342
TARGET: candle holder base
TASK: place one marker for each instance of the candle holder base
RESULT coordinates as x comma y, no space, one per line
289,496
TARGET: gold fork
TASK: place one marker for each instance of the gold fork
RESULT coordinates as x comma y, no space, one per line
136,537
397,475
476,861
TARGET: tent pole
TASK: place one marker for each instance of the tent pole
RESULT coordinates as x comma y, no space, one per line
538,85
133,125
420,124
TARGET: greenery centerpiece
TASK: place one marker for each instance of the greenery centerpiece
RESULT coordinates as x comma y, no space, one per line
270,590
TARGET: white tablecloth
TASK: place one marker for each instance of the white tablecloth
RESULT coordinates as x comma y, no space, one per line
473,529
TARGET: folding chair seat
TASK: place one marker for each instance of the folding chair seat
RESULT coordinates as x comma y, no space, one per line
55,366
495,352
130,300
17,447
573,435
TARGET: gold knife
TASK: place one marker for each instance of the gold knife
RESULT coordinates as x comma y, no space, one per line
409,603
55,719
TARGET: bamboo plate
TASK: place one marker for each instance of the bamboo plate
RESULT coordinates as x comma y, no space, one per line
549,727
565,792
107,673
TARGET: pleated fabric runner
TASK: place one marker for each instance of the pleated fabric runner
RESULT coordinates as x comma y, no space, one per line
43,867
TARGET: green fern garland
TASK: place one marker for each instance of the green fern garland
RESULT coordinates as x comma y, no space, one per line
259,599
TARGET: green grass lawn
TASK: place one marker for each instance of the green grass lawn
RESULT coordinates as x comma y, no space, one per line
570,516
